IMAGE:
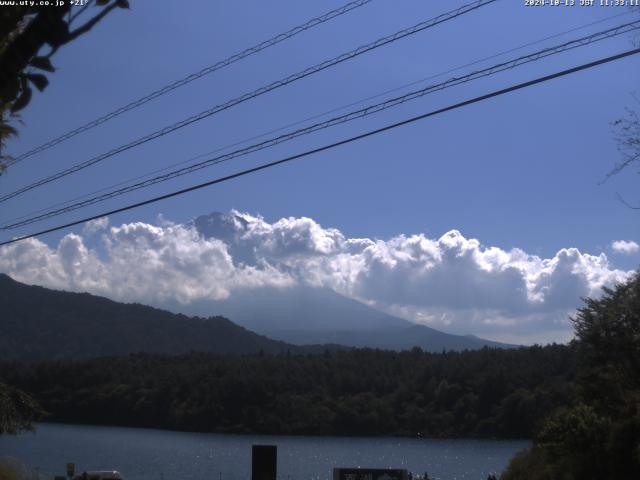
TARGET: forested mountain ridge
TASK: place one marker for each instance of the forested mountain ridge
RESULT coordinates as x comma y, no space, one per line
38,323
482,393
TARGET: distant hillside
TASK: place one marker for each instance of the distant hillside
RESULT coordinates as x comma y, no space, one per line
39,323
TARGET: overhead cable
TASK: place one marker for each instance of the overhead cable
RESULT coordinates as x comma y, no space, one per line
311,118
194,76
247,96
355,138
360,113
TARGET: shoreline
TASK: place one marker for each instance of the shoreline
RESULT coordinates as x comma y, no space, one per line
289,435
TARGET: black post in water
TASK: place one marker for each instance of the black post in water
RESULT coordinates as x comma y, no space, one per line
264,462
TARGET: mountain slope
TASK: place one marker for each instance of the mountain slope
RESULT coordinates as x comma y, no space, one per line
297,308
39,323
304,315
428,339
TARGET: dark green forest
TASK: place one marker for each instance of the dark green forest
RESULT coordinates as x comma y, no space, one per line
484,393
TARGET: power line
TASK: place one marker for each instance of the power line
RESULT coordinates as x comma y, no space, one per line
313,117
247,96
341,119
194,76
369,110
470,64
307,153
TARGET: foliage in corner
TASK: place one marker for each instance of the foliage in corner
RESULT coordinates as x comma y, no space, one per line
627,136
25,31
598,436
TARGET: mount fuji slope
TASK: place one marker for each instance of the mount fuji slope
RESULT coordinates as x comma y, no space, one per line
304,316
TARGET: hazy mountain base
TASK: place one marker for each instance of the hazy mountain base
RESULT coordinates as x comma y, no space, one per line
304,315
484,393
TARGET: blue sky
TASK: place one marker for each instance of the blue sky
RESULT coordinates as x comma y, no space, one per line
520,171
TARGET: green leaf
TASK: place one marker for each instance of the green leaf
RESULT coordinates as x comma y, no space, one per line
43,63
123,4
39,80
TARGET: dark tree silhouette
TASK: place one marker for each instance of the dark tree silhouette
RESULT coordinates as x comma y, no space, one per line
626,131
482,393
597,436
627,136
24,32
17,410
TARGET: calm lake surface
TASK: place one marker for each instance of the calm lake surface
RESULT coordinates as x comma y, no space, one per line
141,454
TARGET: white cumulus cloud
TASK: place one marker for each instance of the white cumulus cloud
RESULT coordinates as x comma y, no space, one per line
625,246
138,262
451,282
96,225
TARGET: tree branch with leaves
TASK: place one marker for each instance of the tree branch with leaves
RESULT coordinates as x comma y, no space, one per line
24,32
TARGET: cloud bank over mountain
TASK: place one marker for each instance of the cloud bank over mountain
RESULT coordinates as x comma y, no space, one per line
452,283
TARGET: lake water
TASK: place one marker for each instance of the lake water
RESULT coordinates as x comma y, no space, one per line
142,454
